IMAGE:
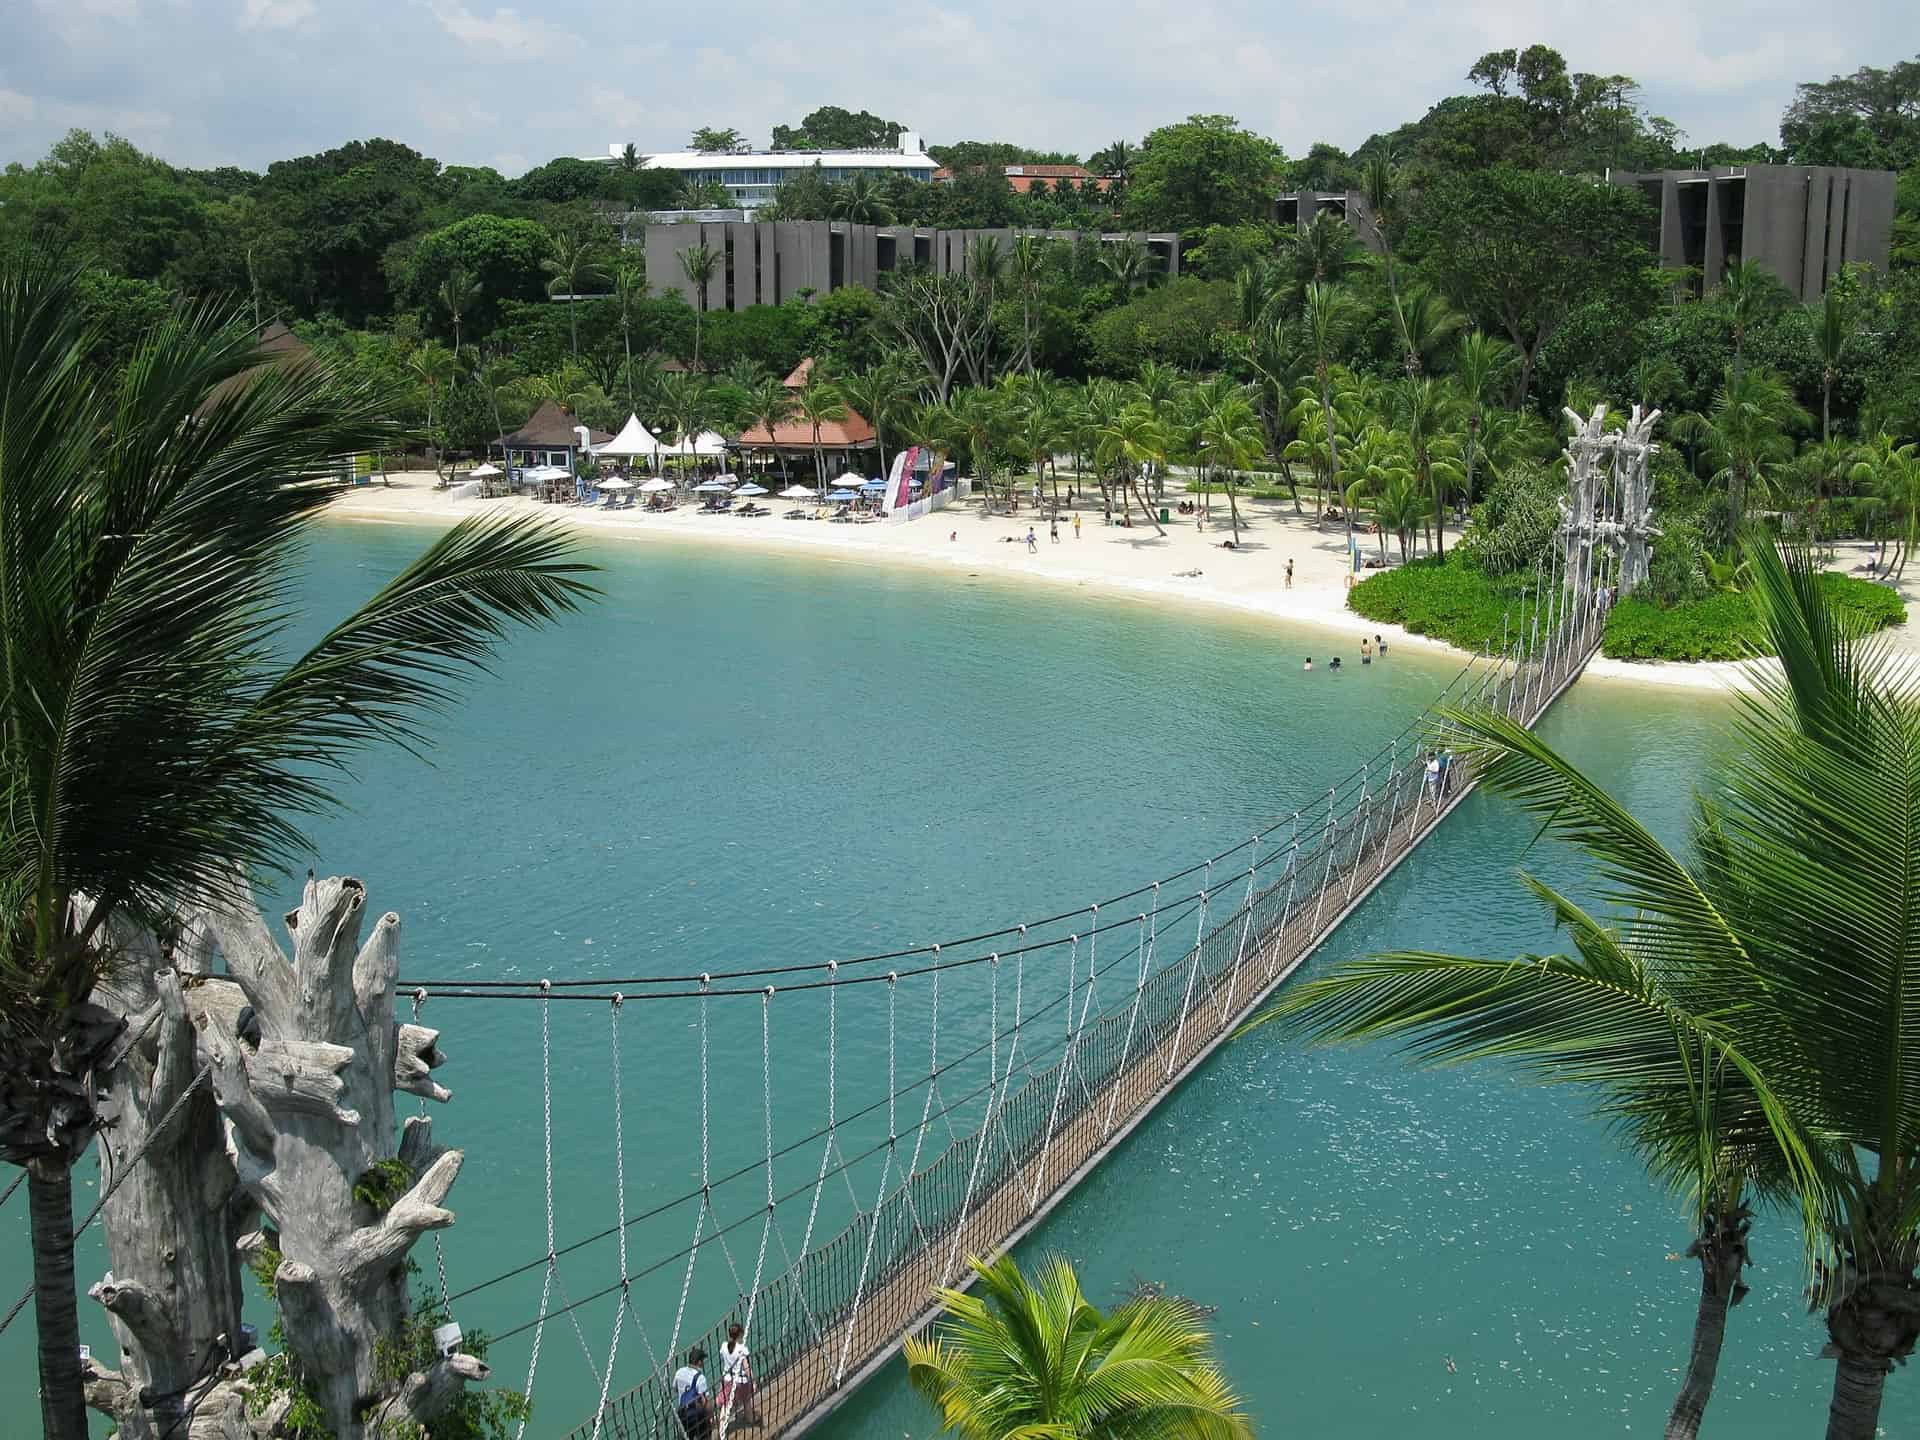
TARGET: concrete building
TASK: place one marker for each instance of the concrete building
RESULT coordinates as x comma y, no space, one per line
1298,208
752,177
767,263
1802,222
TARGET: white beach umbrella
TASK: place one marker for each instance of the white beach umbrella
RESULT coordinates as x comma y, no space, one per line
655,485
798,492
751,490
616,485
484,472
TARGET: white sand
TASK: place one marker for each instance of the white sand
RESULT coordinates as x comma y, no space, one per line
1136,561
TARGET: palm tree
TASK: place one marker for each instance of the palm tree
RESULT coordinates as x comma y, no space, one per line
1125,263
1424,322
629,289
687,403
1328,313
1028,260
818,403
860,202
1039,423
434,365
1424,409
878,393
1381,466
571,260
1035,1360
155,736
980,417
1834,325
769,404
1744,435
1116,162
1402,507
1377,183
699,263
1132,439
458,294
1324,253
1749,294
1226,437
1742,1017
1479,363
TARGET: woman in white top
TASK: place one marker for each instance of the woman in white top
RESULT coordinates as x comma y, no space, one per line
736,1379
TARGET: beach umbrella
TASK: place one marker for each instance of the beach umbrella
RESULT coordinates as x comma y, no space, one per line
484,472
712,486
616,485
798,492
844,495
874,485
655,485
751,490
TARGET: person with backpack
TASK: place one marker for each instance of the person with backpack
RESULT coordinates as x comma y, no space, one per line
736,1378
692,1400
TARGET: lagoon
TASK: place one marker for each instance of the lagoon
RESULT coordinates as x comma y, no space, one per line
737,758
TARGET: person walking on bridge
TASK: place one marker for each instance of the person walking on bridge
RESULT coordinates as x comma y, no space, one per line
692,1400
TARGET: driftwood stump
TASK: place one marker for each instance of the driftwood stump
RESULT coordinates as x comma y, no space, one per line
173,1294
306,1054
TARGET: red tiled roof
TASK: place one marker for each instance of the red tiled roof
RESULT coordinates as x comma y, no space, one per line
798,434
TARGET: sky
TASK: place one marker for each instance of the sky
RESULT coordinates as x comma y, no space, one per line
245,82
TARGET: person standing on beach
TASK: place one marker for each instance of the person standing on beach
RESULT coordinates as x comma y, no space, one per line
1076,524
1289,572
1053,529
1033,543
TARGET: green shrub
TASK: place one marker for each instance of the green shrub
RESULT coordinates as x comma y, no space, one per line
1723,626
1513,527
1451,600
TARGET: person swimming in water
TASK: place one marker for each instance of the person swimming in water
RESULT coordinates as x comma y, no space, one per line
1379,645
1334,663
1309,664
1366,651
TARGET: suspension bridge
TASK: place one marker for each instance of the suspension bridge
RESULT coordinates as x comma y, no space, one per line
1035,1050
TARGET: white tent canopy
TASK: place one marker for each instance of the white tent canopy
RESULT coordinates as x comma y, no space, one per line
707,442
633,439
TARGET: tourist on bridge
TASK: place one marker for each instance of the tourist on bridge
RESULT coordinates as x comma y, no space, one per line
736,1379
692,1400
1433,774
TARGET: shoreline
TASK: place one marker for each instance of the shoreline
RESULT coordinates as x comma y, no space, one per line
1134,563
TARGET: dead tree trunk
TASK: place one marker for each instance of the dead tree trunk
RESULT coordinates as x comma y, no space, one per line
173,1225
306,1084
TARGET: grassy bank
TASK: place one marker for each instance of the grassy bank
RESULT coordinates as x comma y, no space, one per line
1457,603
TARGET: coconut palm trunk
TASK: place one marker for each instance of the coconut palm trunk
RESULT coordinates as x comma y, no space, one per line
1722,1253
63,1407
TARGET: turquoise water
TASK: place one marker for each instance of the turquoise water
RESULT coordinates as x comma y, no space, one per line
745,760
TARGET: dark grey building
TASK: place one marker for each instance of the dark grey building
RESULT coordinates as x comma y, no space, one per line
1802,222
1297,208
767,263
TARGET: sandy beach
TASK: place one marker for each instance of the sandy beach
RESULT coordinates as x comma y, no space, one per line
1186,565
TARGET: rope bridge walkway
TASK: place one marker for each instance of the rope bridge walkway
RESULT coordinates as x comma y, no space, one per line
1060,1035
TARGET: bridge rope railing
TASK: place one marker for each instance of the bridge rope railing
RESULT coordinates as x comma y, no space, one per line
1065,1079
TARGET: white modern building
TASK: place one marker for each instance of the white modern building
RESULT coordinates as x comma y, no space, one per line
752,176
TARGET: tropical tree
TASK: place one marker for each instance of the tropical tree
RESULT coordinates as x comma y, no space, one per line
880,393
817,403
459,292
1378,465
1132,439
156,739
1037,422
980,419
1479,368
1328,313
1834,326
1424,322
1748,293
629,289
769,403
1745,433
687,402
1324,253
1379,183
1019,1359
861,202
1125,264
1424,410
1402,507
1225,437
1740,1015
699,264
572,260
434,365
1026,265
1116,162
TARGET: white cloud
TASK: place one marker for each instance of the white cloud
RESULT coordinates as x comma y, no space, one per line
275,14
506,34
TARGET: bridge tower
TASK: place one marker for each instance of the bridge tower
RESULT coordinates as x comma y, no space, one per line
1608,508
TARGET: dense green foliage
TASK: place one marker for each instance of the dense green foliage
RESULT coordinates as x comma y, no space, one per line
1724,627
1458,602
